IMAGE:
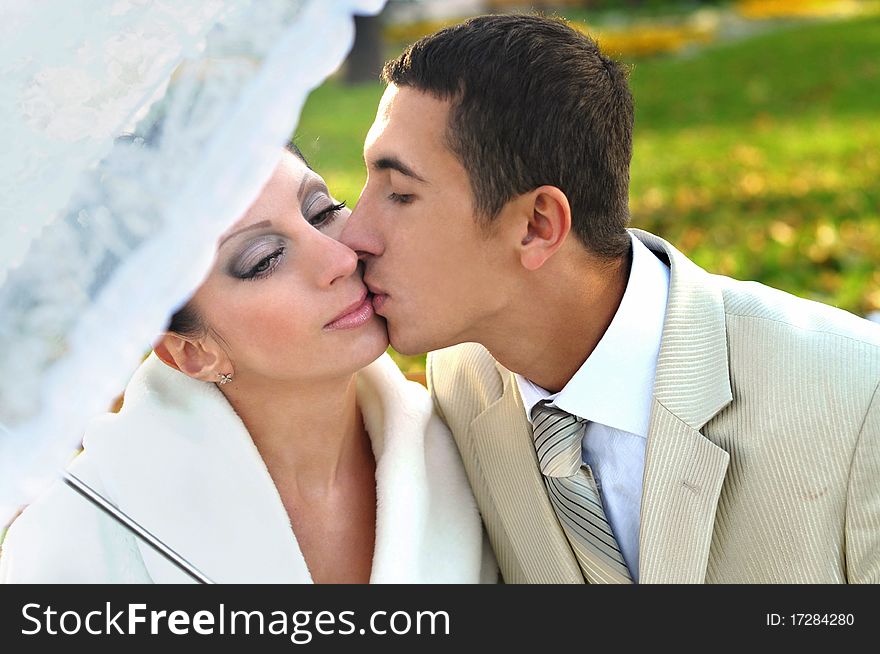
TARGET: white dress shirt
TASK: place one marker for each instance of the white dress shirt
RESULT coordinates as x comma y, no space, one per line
613,390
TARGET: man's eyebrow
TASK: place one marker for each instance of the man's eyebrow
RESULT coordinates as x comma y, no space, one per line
393,163
262,223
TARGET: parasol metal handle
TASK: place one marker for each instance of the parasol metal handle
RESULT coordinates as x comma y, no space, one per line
117,514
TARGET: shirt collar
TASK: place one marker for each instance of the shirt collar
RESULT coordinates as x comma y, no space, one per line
615,385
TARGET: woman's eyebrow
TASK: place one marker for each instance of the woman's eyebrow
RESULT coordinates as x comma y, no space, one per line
262,223
309,179
312,179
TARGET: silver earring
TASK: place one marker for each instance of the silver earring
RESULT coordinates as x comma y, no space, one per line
224,379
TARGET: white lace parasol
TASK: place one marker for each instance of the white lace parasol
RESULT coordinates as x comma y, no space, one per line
100,243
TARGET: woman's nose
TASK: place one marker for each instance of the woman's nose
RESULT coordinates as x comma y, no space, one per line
338,261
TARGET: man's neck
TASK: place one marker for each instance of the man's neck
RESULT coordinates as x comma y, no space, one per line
556,323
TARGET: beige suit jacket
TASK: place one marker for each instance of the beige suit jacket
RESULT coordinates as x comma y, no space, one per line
763,453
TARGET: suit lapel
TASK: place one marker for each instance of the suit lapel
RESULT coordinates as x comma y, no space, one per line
502,438
684,471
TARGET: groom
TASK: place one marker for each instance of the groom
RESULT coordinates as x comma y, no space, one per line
623,415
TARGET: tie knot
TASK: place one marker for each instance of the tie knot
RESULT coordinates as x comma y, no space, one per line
557,440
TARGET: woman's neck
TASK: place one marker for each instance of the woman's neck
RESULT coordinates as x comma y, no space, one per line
310,435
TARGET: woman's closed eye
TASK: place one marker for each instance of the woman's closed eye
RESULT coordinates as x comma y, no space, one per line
260,260
266,265
325,217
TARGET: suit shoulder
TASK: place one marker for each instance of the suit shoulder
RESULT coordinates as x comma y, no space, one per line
462,354
809,319
825,353
468,364
462,376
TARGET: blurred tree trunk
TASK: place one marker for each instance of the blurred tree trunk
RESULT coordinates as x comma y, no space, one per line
365,60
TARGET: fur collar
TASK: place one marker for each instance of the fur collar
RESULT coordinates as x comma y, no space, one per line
178,459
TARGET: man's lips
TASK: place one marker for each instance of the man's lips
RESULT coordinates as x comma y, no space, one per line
379,300
379,295
354,315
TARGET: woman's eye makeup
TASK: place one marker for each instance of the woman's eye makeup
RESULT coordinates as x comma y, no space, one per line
259,259
326,216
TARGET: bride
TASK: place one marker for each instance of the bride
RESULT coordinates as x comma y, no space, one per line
267,437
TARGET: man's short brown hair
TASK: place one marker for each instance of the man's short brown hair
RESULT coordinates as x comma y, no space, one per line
534,102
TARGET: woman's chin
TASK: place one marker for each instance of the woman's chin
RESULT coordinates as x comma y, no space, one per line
369,343
379,336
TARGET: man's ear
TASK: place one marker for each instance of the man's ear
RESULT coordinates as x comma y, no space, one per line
200,358
546,225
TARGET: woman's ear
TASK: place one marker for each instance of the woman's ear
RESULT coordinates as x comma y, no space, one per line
200,358
546,226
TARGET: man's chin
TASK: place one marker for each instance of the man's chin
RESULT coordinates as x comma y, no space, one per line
406,344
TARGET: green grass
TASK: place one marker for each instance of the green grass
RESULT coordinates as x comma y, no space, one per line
332,130
760,159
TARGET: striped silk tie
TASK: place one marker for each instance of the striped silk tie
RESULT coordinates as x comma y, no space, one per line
574,495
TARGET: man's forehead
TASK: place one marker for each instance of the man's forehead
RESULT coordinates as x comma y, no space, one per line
413,107
409,136
409,116
386,101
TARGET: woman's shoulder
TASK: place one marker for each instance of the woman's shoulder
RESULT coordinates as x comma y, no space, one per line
62,538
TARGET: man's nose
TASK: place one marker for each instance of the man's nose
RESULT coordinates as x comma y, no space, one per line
360,232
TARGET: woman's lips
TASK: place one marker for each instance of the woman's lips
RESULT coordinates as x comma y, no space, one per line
355,316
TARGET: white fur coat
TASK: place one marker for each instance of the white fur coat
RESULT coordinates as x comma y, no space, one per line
178,459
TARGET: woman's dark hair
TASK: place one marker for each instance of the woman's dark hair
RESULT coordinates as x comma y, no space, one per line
186,320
